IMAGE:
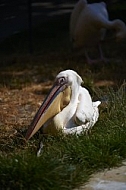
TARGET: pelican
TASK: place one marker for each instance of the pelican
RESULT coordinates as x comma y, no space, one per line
68,108
88,26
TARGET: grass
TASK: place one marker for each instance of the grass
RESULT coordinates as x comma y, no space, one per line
66,161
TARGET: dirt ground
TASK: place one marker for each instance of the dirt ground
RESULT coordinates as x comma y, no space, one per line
18,107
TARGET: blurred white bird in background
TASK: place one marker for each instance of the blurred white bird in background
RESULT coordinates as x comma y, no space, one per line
67,108
88,26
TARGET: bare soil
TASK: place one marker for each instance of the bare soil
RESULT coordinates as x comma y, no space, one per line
18,107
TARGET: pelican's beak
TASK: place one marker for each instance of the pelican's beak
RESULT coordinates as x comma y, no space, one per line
56,100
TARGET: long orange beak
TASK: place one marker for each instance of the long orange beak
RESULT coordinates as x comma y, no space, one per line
56,100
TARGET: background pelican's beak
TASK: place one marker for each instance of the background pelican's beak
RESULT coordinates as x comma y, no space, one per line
57,99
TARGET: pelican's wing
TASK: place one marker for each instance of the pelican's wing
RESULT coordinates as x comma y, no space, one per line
84,112
87,112
86,115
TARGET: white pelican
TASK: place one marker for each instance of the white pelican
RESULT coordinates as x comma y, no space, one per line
68,107
88,25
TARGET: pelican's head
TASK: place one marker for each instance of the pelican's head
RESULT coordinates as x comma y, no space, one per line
59,97
70,77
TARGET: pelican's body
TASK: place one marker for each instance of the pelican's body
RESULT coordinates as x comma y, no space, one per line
68,107
88,25
80,115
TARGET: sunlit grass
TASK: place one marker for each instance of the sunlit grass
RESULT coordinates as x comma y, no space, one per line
67,161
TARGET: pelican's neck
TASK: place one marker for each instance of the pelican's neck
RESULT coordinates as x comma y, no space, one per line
67,113
75,15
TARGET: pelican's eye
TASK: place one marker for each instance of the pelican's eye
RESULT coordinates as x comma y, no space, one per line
62,80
